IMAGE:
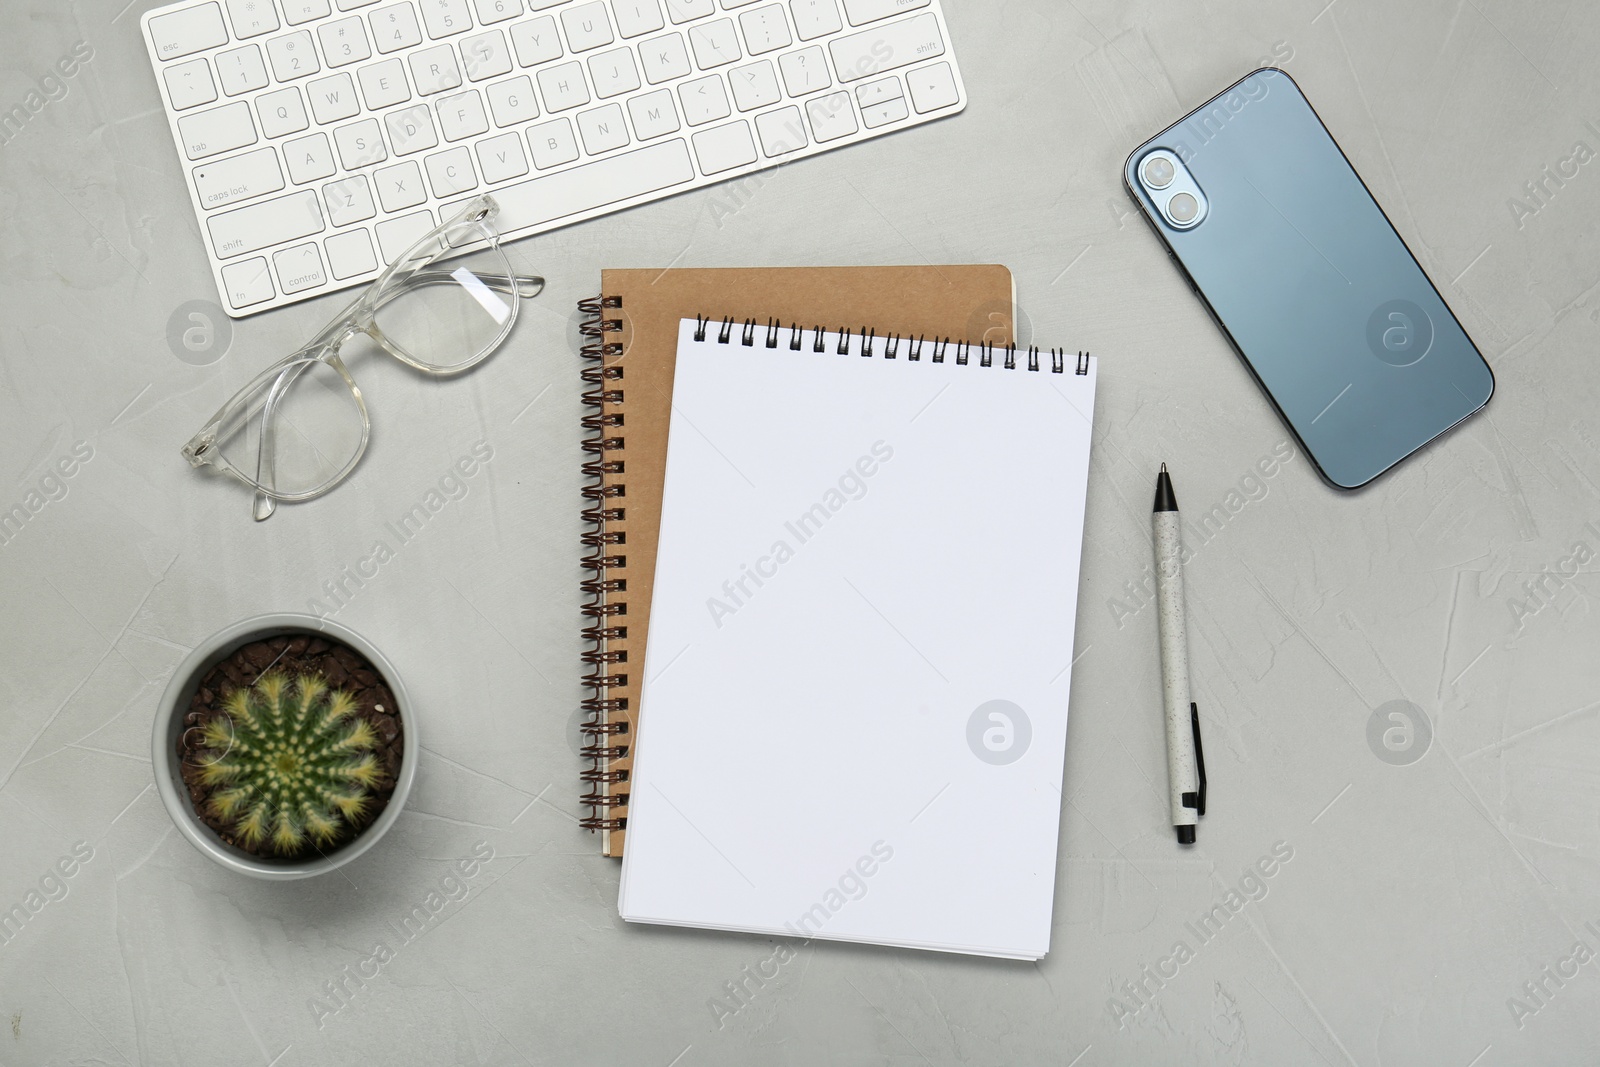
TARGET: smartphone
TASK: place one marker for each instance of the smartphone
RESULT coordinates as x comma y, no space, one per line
1282,241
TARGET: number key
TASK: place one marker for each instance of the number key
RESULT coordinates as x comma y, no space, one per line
293,56
492,11
445,17
395,27
344,41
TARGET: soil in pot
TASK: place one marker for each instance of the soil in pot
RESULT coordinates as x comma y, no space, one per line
342,667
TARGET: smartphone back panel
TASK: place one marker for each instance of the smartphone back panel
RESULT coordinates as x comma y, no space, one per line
1305,273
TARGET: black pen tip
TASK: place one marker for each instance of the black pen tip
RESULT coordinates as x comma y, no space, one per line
1166,499
1185,835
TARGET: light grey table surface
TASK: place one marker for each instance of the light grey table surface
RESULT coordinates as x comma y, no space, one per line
1441,902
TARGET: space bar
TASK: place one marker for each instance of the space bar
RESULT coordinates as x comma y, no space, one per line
593,185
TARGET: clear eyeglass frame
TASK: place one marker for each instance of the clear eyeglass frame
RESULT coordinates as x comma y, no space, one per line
490,284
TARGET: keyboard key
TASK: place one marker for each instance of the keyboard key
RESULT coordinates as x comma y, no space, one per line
293,56
536,41
781,131
395,27
540,5
832,117
563,86
351,5
587,25
222,129
350,253
704,100
451,172
282,111
882,102
728,5
333,98
396,236
765,29
501,157
594,185
189,84
247,282
241,69
754,85
603,129
400,186
238,178
361,143
635,17
299,268
653,114
613,72
512,101
462,115
492,11
724,147
434,69
297,11
384,83
309,158
805,71
344,42
552,144
411,130
247,229
349,200
185,32
251,18
664,58
886,47
681,11
879,91
484,55
861,12
445,17
714,43
932,87
815,18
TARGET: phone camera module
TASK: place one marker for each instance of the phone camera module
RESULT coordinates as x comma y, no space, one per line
1183,208
1158,172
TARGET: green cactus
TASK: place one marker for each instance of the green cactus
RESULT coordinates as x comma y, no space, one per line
298,769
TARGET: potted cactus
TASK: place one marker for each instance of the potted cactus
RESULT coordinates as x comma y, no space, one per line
284,746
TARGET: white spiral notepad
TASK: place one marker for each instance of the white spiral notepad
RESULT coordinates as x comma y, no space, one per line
861,641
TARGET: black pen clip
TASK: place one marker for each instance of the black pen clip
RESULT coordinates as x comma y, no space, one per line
1197,801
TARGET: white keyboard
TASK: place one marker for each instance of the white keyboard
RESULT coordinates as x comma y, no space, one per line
322,137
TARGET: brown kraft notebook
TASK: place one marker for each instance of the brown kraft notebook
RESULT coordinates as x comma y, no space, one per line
631,335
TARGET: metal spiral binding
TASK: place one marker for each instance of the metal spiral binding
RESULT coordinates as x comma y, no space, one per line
602,605
869,341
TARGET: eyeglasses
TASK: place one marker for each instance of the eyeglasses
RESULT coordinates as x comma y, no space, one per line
301,426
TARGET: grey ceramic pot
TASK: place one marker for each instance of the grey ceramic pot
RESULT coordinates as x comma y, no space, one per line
169,724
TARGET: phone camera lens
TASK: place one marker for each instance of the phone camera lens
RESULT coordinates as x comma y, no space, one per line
1183,208
1159,172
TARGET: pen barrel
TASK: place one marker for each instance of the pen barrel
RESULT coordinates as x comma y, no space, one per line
1181,773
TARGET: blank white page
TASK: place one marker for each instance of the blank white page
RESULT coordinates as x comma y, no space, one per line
859,557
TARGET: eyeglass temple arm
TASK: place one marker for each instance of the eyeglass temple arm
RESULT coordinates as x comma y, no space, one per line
264,504
527,285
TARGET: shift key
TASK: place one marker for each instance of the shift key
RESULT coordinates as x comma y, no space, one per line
246,229
885,47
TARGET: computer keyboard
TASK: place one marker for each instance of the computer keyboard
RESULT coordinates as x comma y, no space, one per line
320,138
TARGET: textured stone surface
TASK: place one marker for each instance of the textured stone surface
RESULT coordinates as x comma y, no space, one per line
1421,894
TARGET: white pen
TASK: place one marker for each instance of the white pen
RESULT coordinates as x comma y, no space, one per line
1186,766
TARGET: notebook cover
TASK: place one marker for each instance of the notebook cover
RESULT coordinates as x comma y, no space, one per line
630,406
